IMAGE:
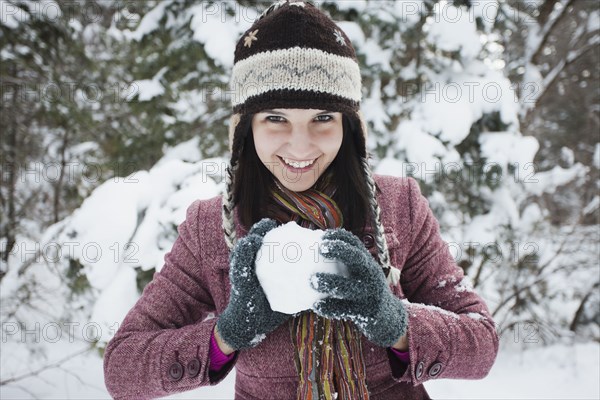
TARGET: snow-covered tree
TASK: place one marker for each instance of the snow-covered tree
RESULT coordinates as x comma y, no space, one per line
445,96
551,51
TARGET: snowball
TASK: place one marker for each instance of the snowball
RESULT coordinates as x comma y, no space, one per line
285,263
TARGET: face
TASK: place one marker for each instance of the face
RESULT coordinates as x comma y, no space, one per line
297,145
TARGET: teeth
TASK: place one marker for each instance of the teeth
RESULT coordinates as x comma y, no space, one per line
298,164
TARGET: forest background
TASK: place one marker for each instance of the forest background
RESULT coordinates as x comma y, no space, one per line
114,118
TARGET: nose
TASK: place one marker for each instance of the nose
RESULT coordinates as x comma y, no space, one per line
300,141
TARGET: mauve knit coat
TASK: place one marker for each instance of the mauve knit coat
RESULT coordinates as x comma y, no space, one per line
451,333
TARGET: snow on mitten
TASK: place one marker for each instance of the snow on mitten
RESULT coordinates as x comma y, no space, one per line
364,297
248,317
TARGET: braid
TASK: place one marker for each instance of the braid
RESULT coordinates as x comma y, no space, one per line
227,212
392,273
228,199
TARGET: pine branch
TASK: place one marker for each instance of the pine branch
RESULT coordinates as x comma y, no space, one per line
581,308
549,26
38,371
551,78
541,278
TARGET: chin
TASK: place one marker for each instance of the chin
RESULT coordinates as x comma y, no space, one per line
299,186
296,187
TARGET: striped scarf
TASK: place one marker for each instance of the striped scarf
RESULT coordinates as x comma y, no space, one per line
328,353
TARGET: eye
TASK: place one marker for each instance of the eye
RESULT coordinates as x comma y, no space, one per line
275,118
324,118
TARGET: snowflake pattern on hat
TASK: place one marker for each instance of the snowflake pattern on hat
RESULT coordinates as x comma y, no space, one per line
250,38
339,37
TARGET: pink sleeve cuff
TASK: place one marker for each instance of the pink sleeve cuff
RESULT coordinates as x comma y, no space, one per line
217,358
402,355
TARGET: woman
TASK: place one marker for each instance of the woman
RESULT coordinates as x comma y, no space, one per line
402,316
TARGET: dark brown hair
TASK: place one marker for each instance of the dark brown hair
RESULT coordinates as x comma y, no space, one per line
253,182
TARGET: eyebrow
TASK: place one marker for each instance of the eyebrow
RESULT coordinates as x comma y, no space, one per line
281,113
326,112
271,112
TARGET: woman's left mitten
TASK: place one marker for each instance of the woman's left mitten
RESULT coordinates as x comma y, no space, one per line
364,296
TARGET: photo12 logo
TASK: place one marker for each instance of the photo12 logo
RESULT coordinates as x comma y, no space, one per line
52,332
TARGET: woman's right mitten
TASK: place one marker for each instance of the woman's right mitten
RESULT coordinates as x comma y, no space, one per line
248,317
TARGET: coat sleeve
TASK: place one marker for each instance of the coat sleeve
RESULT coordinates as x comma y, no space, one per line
162,345
451,333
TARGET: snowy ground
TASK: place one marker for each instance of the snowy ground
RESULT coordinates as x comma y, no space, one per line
556,372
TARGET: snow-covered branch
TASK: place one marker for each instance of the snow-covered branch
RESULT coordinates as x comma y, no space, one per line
550,79
36,372
555,17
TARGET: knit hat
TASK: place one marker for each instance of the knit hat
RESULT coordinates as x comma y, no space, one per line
295,56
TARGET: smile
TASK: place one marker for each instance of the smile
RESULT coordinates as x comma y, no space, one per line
298,164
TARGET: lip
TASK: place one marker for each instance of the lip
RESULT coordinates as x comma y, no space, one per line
298,170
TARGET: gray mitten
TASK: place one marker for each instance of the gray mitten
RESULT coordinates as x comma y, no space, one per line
248,317
364,297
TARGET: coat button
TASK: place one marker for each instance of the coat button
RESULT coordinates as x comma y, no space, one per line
435,369
193,368
176,371
368,240
419,372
